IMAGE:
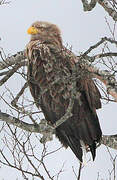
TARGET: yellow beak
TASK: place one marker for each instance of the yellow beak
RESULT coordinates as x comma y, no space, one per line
32,30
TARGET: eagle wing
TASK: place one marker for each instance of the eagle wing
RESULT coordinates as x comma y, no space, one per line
49,75
92,93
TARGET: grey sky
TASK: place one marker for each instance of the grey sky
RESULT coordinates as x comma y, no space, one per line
79,29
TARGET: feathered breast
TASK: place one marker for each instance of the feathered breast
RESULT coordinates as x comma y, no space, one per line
49,74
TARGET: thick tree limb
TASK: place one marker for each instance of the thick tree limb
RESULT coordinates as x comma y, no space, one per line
89,6
67,115
109,6
111,10
42,127
12,60
110,141
48,131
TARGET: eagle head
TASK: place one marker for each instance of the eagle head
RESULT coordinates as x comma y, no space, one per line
45,32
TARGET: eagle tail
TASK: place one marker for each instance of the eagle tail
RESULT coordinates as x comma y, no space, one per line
83,137
93,150
79,149
89,132
74,144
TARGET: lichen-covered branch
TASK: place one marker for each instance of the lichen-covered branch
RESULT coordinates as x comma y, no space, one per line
47,131
89,6
109,6
67,115
110,141
41,128
111,9
12,60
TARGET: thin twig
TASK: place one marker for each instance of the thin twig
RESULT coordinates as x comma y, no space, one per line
79,171
15,100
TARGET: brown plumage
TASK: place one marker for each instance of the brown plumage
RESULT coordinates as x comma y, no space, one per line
50,73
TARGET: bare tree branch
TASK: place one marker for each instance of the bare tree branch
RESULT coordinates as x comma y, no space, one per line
43,128
98,44
10,73
89,6
107,78
7,163
110,141
37,128
15,100
79,171
111,10
12,60
2,2
109,6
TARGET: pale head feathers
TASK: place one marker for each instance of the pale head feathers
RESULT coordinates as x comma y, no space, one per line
47,32
46,25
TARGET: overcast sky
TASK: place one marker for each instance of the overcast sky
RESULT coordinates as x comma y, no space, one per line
80,30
